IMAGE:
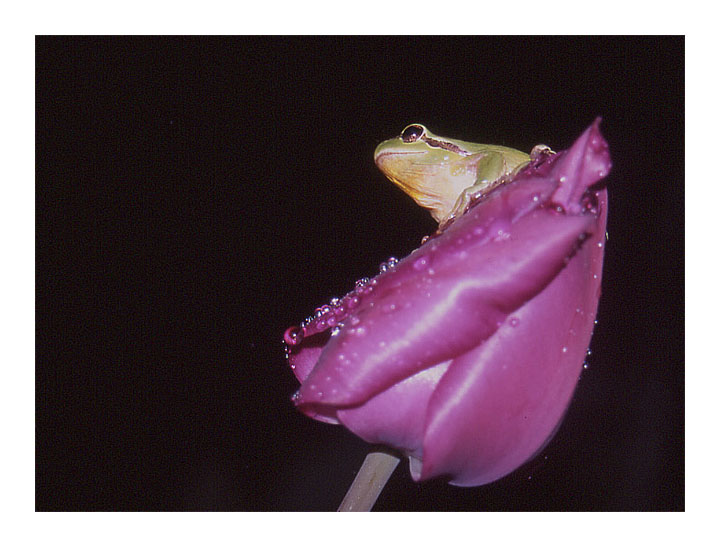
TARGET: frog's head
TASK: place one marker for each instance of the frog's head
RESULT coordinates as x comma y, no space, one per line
432,170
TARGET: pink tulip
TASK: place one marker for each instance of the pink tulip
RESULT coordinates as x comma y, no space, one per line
465,354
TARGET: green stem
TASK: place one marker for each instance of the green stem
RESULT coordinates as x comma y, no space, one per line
369,481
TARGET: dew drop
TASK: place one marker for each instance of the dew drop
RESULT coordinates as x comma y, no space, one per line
564,349
514,322
420,263
293,335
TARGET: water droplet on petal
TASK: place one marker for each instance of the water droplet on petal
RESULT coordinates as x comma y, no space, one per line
420,263
293,335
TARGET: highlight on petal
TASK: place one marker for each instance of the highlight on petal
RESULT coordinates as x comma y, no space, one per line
465,354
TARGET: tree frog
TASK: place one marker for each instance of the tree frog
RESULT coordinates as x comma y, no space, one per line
442,174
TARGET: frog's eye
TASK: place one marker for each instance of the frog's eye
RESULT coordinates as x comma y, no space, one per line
412,133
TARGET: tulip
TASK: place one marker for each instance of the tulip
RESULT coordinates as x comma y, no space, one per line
464,355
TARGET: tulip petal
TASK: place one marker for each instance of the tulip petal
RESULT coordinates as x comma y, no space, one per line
499,403
433,314
579,167
396,417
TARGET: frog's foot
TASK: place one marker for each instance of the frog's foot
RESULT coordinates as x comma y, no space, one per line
540,151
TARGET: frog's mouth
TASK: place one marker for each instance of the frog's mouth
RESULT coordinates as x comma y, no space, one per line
398,153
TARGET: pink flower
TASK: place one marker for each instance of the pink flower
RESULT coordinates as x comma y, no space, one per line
464,355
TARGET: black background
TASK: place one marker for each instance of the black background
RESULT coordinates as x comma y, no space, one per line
196,196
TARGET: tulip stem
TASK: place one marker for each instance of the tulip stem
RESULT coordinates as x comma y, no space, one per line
369,481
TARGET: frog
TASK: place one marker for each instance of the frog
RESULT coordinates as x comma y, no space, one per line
444,175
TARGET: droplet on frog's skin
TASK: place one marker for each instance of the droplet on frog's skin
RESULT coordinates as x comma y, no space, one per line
293,335
514,322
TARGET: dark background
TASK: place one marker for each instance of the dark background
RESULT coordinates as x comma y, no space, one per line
196,196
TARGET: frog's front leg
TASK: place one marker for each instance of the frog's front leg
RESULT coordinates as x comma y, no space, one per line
490,171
